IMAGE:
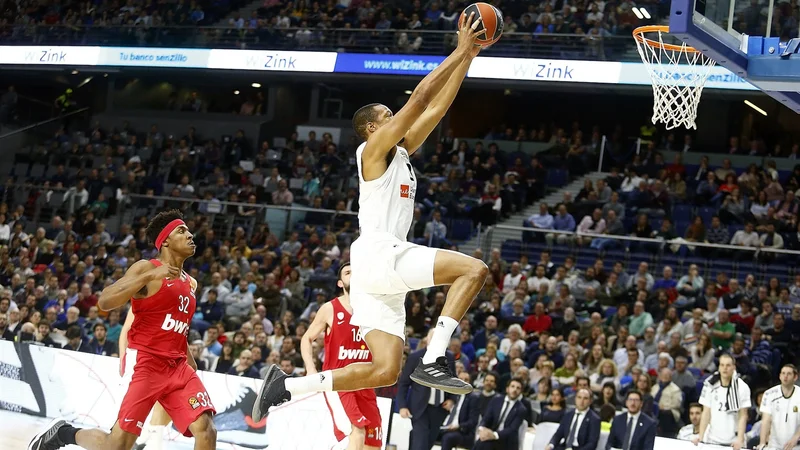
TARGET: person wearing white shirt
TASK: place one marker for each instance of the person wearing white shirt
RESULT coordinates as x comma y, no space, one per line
780,413
512,279
690,431
747,237
632,430
725,398
538,278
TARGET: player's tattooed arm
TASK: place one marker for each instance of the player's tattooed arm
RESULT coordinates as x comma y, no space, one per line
132,283
320,324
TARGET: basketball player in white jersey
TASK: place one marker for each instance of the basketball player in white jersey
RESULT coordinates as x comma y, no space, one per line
780,409
385,266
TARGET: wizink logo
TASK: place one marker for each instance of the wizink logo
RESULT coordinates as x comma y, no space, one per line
175,325
49,56
547,71
410,65
691,76
272,62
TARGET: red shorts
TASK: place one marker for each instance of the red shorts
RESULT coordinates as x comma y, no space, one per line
150,379
361,407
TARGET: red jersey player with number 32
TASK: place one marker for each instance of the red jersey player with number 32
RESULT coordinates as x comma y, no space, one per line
344,345
163,301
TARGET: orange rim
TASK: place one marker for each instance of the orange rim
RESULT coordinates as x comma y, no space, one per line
639,33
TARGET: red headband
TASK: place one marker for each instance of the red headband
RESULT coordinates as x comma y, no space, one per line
167,231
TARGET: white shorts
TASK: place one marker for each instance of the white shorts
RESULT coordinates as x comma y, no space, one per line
385,269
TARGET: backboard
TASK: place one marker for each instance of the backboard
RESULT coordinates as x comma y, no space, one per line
754,39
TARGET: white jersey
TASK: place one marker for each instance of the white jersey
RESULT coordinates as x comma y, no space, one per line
785,412
723,427
386,204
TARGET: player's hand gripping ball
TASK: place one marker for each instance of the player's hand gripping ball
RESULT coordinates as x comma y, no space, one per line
490,22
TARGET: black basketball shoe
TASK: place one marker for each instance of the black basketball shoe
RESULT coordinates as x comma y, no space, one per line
437,375
48,439
273,393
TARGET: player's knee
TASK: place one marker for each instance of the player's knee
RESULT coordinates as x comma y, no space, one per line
203,429
478,271
387,373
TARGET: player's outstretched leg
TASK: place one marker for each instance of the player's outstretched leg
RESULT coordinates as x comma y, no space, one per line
382,371
60,434
466,277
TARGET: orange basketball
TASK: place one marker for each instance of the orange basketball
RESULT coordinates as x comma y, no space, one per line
491,22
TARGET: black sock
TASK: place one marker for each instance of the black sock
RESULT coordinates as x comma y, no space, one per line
67,434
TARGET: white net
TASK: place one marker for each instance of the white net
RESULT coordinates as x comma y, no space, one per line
678,73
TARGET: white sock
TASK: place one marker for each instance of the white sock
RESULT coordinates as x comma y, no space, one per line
445,327
319,382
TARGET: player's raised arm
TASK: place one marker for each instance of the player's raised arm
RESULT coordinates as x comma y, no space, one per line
321,321
131,284
431,117
384,138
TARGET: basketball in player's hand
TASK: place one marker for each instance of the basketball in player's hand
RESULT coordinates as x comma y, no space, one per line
491,22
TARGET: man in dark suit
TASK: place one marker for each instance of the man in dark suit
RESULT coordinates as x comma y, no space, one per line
459,427
499,429
580,428
643,434
427,408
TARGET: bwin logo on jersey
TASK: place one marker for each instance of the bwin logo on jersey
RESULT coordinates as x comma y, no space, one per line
353,354
175,325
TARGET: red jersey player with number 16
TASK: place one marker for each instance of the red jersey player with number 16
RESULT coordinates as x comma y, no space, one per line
163,301
344,345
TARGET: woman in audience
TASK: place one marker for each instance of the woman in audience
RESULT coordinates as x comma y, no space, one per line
608,396
733,208
514,338
760,207
607,373
543,389
591,360
226,359
703,355
644,385
276,340
554,412
536,371
565,375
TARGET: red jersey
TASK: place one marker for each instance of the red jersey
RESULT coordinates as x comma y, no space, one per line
343,343
161,321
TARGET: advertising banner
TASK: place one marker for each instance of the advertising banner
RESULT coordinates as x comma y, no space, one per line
84,389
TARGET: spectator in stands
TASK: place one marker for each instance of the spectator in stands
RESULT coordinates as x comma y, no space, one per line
244,368
563,221
542,220
99,344
723,331
640,319
75,340
594,224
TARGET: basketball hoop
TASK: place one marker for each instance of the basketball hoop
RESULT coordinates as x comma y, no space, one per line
678,73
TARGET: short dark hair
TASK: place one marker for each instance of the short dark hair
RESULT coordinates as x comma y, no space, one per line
287,359
74,332
364,115
695,405
101,325
517,380
635,392
581,378
341,269
159,222
790,366
44,322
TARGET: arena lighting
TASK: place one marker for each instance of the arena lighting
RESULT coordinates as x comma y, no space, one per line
644,13
235,92
407,92
256,85
75,72
752,105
